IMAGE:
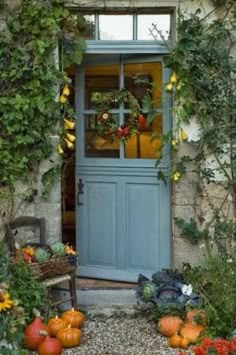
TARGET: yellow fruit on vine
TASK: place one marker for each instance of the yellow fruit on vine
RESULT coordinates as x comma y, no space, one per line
63,99
69,144
66,91
176,176
71,137
60,150
169,87
174,142
184,135
69,124
173,78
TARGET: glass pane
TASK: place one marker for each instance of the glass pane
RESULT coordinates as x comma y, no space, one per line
89,32
160,22
116,27
144,81
97,146
145,144
100,82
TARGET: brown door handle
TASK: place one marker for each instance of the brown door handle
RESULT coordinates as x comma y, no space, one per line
80,191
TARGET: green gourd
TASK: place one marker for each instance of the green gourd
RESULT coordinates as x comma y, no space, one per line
41,255
58,248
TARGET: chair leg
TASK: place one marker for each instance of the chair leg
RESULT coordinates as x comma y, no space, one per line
72,285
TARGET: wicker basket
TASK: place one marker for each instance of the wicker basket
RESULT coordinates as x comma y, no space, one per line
55,266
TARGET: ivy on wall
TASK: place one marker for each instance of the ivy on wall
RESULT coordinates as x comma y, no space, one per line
30,81
204,89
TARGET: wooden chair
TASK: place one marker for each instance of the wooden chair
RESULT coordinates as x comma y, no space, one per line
39,223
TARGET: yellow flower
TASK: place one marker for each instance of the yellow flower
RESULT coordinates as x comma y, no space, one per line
69,144
69,124
184,135
60,150
173,78
174,143
66,91
71,137
176,176
169,87
62,99
5,301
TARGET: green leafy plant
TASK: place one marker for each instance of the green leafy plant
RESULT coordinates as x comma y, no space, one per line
30,81
20,294
216,284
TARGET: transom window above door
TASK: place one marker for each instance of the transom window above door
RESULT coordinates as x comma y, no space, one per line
128,27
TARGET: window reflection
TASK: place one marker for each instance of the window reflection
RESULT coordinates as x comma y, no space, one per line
145,25
115,27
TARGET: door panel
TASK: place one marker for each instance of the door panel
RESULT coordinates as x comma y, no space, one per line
123,215
142,226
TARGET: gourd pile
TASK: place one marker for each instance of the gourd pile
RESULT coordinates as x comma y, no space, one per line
183,333
59,332
41,254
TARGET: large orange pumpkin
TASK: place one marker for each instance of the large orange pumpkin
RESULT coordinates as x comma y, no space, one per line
191,332
69,337
196,316
74,318
169,325
55,324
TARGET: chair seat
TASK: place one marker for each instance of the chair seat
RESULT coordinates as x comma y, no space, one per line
56,279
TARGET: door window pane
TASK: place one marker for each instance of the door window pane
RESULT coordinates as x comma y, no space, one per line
100,82
97,146
144,81
145,25
115,27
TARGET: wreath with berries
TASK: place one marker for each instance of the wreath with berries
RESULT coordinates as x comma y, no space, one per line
140,116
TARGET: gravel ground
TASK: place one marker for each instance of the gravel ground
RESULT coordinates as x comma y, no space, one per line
121,334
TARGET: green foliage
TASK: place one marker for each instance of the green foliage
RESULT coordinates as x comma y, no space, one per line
190,230
30,80
27,294
216,284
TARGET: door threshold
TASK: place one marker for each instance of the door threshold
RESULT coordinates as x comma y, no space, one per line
84,283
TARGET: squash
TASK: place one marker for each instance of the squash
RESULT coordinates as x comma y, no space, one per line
55,324
74,318
32,336
175,341
184,343
49,346
196,316
191,332
69,337
169,325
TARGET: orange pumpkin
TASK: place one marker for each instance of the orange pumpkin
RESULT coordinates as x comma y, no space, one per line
169,325
175,341
191,332
69,337
196,316
184,343
55,324
74,318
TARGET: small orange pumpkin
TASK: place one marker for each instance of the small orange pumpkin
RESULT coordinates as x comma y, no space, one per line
191,331
55,324
184,344
74,318
175,341
169,325
69,337
196,316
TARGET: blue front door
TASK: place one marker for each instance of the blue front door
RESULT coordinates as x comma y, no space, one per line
123,211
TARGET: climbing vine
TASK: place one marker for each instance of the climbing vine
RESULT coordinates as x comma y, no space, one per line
31,77
204,89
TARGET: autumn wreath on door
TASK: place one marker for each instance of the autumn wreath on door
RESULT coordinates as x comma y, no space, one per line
139,115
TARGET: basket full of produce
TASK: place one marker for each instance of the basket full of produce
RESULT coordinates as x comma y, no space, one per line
49,260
